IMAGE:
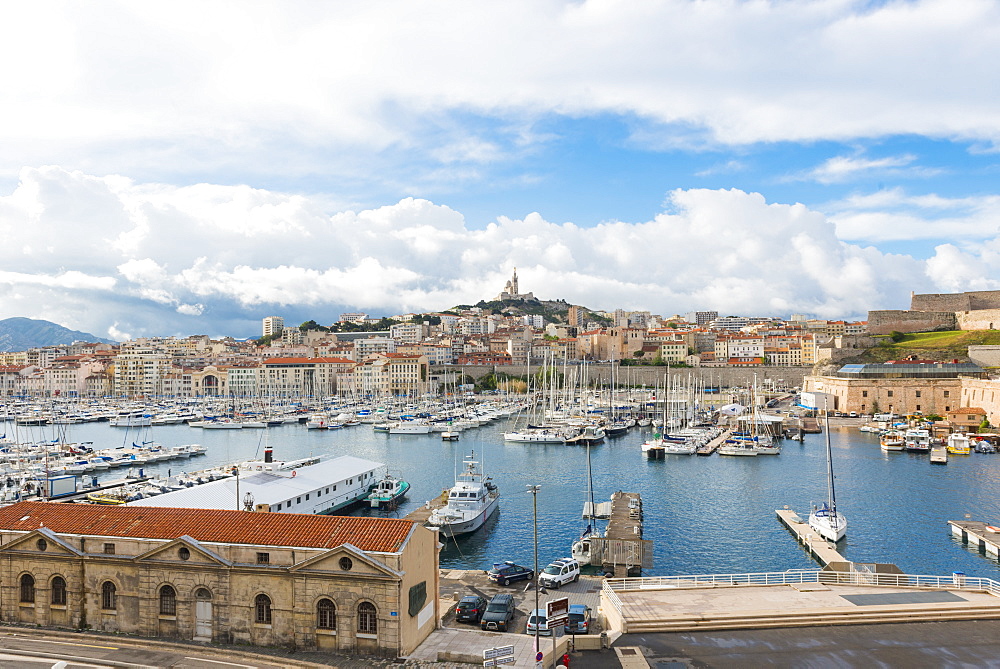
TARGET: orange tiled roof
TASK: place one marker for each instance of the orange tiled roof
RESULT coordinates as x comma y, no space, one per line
209,525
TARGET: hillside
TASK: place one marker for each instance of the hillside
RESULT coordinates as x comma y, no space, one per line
941,346
553,311
20,334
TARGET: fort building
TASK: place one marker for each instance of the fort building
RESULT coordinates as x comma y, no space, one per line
359,585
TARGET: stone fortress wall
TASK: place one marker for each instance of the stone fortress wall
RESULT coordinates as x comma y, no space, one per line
972,310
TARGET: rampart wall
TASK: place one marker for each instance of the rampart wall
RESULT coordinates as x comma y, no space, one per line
981,319
968,301
885,321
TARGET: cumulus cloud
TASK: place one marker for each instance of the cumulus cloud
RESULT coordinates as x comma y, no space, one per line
302,86
895,214
215,259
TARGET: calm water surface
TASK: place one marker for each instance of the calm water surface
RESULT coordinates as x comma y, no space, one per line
705,515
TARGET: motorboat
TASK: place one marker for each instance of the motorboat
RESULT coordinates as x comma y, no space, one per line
959,444
472,500
388,492
891,440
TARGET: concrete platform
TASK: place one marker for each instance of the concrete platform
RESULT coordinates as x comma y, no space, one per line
791,605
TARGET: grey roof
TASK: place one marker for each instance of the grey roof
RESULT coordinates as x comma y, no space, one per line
266,487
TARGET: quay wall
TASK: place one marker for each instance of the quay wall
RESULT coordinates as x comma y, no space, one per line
651,376
883,322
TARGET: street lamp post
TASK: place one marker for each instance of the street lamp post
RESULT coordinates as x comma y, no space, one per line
533,489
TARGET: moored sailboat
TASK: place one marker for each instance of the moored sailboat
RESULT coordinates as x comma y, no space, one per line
830,523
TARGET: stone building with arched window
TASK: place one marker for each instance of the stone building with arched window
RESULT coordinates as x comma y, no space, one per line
361,585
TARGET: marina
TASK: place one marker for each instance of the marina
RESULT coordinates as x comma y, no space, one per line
704,515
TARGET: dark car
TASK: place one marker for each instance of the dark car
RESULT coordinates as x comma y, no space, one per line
579,619
470,609
499,613
508,572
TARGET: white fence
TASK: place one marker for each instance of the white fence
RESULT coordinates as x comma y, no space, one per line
956,581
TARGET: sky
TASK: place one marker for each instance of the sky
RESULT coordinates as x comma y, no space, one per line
192,167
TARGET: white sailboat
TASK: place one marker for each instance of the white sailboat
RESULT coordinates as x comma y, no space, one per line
581,550
830,523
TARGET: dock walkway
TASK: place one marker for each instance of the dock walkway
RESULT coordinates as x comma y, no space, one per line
423,512
815,545
711,446
986,537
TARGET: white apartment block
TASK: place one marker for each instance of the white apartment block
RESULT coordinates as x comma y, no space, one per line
372,346
139,371
533,320
673,351
408,333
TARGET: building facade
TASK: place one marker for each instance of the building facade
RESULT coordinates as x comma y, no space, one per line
362,585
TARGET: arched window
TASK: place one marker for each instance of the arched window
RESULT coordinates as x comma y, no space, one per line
109,601
262,604
58,591
367,618
326,615
168,601
28,589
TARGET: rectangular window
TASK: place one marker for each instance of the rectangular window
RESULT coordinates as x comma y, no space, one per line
263,558
947,393
889,393
298,500
279,506
109,549
918,393
864,393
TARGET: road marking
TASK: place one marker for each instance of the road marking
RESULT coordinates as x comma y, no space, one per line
67,643
48,661
231,664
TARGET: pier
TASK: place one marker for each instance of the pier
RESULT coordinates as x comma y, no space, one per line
423,512
622,551
711,446
817,547
985,537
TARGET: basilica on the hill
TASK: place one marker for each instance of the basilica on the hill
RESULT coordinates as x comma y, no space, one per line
510,291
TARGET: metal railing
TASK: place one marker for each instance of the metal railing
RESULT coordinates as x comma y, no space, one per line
956,581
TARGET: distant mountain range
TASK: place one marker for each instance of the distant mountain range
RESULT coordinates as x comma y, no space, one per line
20,334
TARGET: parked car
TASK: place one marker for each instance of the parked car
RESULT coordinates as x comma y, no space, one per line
499,613
508,572
579,619
560,572
470,609
537,617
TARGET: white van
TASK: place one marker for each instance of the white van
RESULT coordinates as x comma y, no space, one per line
559,573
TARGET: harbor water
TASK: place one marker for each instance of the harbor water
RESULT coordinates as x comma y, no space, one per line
704,514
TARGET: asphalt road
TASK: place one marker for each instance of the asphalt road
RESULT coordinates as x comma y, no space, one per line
918,645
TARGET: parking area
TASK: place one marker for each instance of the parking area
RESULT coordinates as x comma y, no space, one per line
458,583
457,639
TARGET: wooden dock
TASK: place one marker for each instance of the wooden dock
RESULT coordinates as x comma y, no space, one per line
711,446
423,512
622,551
985,537
818,547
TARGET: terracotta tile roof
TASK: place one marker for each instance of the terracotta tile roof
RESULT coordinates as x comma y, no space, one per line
208,525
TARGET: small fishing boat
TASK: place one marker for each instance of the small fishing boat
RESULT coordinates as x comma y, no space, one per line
891,440
958,444
388,492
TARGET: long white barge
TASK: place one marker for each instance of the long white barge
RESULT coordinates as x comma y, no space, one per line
328,486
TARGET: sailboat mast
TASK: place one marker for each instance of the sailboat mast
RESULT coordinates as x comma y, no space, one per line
829,471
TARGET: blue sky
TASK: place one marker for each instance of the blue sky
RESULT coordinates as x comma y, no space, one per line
178,168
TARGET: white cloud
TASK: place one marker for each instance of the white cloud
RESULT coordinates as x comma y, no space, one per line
303,86
190,265
895,215
847,168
